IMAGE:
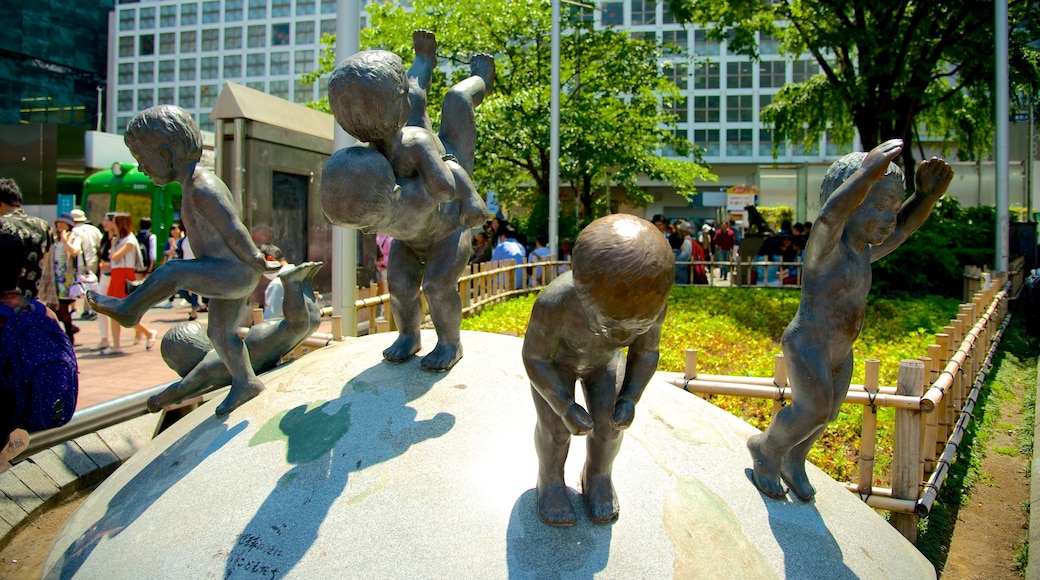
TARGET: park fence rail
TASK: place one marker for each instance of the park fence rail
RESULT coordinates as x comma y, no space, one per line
934,398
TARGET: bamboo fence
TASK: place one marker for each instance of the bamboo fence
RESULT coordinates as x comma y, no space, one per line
934,398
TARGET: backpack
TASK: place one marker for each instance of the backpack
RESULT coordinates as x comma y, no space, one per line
144,251
38,369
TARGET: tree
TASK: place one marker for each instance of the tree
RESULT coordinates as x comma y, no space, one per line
615,101
891,68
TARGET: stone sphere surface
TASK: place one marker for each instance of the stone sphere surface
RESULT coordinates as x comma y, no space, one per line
346,466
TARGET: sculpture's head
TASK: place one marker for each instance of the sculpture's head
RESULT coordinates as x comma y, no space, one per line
368,94
165,140
358,189
875,219
623,271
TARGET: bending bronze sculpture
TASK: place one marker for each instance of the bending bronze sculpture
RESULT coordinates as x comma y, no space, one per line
186,350
168,146
613,297
862,218
410,183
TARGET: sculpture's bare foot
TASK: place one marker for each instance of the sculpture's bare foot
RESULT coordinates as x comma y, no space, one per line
298,273
483,66
425,44
113,308
554,507
153,404
600,497
240,393
473,211
442,357
793,473
402,349
765,469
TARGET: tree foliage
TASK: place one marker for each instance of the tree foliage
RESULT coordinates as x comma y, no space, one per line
891,68
614,113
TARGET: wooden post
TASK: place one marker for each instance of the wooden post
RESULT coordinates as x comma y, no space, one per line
780,380
868,435
337,327
258,316
691,364
907,460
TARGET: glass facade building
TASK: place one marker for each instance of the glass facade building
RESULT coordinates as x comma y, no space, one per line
53,59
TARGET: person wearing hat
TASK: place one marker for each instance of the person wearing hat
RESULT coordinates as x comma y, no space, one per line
64,255
90,241
34,233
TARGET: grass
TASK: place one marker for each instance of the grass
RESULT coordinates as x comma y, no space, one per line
736,331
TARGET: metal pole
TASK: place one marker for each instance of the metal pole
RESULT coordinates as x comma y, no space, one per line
554,134
344,241
1029,159
1002,142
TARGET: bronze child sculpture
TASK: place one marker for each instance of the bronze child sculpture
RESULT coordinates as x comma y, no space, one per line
410,184
168,146
862,218
614,297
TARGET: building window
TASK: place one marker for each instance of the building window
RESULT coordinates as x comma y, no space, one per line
125,101
209,67
257,36
146,72
187,69
304,7
256,65
166,70
281,8
644,12
147,45
211,40
145,98
305,32
676,41
328,6
304,62
126,73
186,97
706,109
165,95
668,150
678,108
189,40
146,18
768,44
704,46
738,142
803,70
279,63
833,148
232,10
613,14
206,124
127,19
168,43
738,75
709,139
764,101
232,66
738,108
280,34
771,74
257,9
303,92
676,72
210,12
126,46
706,75
765,142
189,14
280,89
257,85
168,16
232,38
208,96
328,27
